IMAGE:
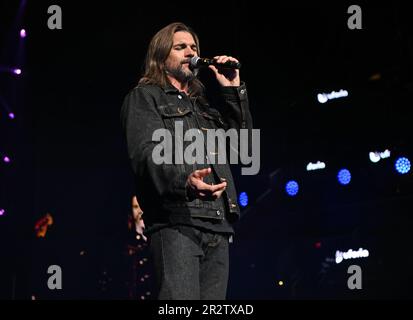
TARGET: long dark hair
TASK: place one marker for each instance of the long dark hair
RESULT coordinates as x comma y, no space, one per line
158,51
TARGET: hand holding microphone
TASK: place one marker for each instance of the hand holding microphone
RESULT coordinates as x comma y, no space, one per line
226,69
197,62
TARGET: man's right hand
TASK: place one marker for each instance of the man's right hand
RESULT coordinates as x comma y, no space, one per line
201,190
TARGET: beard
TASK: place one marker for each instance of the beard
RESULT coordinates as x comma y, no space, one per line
182,75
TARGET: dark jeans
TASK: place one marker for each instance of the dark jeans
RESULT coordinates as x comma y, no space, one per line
190,264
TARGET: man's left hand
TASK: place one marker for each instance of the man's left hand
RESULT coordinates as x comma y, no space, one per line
226,77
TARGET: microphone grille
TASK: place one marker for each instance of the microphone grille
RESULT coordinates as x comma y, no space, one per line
194,62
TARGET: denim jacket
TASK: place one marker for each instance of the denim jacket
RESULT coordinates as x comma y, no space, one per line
161,188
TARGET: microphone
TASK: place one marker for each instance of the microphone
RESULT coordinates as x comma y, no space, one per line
197,62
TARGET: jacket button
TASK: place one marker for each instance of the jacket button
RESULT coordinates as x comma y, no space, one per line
242,91
218,212
179,96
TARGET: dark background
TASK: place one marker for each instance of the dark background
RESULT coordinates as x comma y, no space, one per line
69,157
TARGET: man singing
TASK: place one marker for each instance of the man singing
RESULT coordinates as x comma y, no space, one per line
189,207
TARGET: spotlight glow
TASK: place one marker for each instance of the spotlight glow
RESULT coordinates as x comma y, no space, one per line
292,188
11,115
344,176
17,71
402,165
6,159
2,212
23,33
243,199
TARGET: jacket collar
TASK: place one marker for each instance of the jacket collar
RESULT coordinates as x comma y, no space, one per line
169,88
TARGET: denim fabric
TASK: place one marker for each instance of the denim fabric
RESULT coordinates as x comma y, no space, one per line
190,264
162,189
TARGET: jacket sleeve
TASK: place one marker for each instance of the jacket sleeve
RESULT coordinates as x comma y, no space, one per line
139,119
236,113
235,109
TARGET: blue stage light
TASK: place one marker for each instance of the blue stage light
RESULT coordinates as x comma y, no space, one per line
243,199
344,176
292,188
402,165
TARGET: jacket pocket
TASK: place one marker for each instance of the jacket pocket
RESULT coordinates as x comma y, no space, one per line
173,111
213,115
176,121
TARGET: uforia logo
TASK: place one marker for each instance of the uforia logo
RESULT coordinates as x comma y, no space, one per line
216,147
324,97
377,156
350,254
316,166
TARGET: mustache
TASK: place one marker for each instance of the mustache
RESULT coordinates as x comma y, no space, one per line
186,61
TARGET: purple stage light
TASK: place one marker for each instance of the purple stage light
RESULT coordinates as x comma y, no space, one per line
2,212
6,159
11,115
23,33
17,71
